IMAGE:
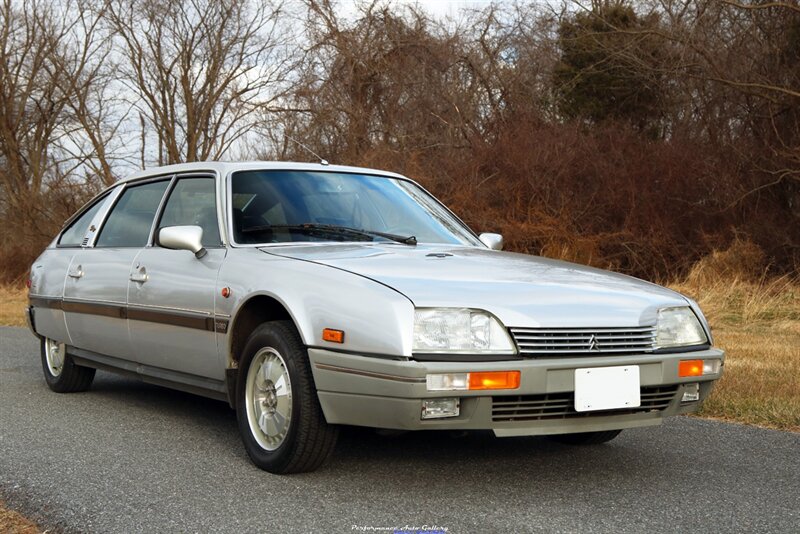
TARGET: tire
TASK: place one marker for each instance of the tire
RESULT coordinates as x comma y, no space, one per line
282,433
586,438
61,373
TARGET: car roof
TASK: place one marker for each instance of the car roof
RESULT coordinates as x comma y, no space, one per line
226,167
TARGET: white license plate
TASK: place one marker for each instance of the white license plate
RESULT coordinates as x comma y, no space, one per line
607,388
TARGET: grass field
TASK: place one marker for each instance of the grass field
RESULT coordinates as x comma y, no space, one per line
12,305
757,322
13,523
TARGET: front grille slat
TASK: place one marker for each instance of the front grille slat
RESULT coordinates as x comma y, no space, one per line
602,330
552,341
583,339
562,405
533,352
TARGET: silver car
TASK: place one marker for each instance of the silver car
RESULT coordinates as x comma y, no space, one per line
311,296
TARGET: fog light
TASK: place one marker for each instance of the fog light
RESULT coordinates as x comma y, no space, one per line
711,367
438,408
691,393
448,382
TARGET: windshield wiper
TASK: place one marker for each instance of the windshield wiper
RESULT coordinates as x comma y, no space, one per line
331,228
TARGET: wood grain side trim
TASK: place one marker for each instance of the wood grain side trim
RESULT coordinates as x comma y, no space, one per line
198,321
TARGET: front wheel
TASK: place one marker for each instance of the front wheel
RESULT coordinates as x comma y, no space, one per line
60,371
586,438
280,419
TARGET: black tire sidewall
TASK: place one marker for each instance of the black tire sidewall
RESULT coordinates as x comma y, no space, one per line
52,381
72,377
271,335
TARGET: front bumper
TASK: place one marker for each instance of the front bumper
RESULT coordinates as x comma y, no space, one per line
382,393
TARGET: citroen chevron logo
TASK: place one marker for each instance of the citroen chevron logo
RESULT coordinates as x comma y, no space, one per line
593,343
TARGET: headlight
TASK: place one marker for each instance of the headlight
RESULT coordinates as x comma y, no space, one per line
679,327
459,330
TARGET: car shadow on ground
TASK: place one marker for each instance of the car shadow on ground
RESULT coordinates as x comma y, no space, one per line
364,450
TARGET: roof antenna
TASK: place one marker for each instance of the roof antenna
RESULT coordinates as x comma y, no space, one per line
322,161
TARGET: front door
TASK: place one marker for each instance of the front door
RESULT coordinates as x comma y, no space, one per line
171,293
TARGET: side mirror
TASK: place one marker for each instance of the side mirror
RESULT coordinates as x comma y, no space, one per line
493,241
182,238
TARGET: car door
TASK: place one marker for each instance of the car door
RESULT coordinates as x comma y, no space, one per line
96,287
50,270
171,293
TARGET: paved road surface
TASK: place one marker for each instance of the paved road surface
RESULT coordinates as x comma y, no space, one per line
129,457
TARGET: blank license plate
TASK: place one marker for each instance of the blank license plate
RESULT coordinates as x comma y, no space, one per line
607,388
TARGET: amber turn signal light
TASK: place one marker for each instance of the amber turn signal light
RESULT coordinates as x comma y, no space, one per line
494,380
690,368
334,336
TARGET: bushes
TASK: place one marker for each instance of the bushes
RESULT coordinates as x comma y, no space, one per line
604,196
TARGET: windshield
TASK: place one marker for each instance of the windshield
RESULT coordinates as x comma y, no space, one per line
271,206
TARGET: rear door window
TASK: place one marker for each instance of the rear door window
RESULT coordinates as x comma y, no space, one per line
129,223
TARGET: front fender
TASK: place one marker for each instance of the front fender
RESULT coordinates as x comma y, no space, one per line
375,318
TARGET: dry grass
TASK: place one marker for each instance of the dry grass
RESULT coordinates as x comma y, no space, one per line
13,523
13,300
757,321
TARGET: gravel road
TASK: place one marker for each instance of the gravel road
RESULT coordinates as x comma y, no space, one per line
130,457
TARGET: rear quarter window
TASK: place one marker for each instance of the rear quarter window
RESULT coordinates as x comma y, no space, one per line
75,233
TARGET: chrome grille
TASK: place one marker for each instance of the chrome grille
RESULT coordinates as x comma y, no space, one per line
566,341
562,405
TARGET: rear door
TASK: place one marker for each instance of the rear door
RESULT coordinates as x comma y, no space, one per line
96,288
50,270
171,293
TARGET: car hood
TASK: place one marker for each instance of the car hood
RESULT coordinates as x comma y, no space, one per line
521,290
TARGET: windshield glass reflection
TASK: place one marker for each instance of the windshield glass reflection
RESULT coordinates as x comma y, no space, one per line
273,206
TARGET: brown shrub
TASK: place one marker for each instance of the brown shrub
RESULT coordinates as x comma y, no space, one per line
605,196
743,260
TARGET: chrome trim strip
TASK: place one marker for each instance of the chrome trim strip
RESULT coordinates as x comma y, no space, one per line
360,353
92,301
586,331
370,374
170,308
584,341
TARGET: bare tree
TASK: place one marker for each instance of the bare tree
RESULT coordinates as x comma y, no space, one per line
49,60
202,71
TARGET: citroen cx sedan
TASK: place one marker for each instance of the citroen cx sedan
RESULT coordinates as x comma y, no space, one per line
310,296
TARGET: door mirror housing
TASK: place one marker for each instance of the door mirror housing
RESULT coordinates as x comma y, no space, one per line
182,238
493,241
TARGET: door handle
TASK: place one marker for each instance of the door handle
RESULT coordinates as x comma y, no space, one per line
139,276
76,272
